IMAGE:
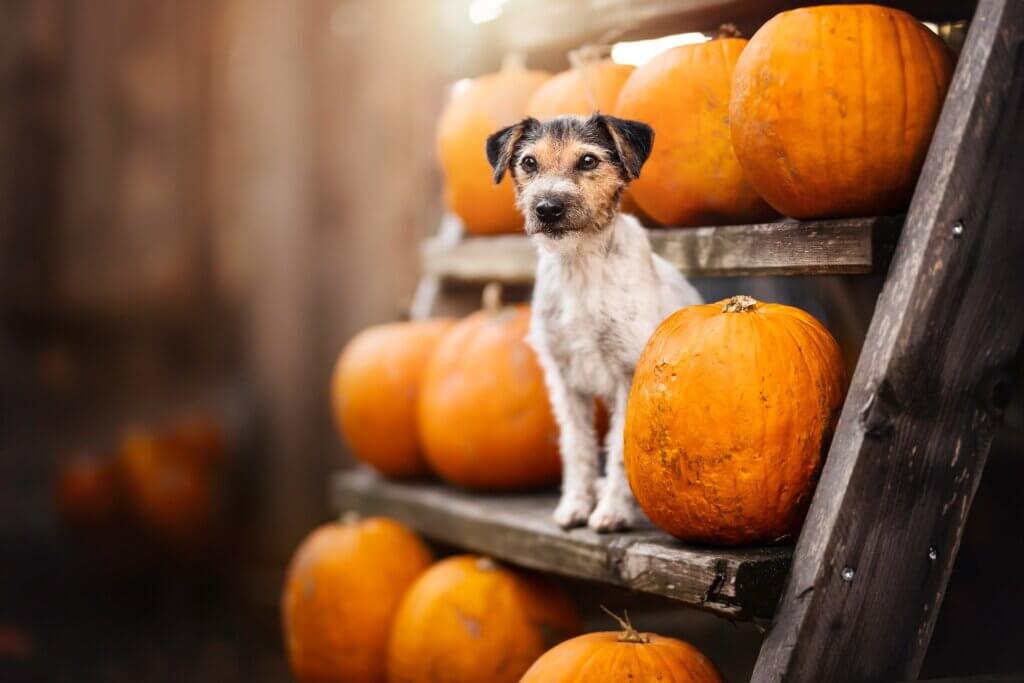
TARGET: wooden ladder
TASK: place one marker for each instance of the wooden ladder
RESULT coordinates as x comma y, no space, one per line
858,596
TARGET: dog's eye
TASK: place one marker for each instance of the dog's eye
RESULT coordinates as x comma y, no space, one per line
528,163
586,162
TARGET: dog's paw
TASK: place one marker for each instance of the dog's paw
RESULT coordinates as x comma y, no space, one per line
614,514
573,510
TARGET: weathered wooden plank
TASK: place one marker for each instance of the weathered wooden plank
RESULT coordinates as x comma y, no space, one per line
788,247
740,584
873,561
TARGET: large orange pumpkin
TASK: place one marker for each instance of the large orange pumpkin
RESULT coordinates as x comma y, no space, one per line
692,176
468,620
484,416
491,102
374,392
833,108
731,406
627,655
340,596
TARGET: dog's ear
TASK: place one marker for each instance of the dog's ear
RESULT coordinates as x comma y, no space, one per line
502,145
633,141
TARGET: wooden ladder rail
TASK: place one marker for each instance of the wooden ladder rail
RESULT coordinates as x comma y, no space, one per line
873,560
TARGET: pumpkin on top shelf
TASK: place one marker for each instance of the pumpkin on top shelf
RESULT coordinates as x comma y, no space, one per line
626,655
340,597
374,392
491,102
692,176
833,109
731,407
484,417
468,619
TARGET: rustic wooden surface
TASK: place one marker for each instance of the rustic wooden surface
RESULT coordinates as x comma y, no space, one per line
872,564
517,528
787,247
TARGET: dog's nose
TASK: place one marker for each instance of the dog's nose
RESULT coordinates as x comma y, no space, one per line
550,209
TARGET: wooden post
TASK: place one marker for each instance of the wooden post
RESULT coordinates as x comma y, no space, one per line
872,563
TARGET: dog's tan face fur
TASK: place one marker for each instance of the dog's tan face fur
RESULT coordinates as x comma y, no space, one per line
569,172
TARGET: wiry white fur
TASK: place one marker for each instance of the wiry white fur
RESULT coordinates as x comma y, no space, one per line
599,295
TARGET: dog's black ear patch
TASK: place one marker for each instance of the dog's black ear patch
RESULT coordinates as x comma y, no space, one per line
633,141
501,146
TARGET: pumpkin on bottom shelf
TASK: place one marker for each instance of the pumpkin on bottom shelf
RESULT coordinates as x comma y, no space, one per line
627,655
469,620
340,596
731,406
374,391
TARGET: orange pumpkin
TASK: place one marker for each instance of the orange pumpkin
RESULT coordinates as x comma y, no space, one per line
627,655
467,620
484,417
374,392
833,108
340,596
731,406
692,176
87,492
491,102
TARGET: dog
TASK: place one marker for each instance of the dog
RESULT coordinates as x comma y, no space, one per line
599,293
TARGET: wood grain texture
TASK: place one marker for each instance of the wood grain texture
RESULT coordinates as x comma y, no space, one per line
872,564
787,247
739,584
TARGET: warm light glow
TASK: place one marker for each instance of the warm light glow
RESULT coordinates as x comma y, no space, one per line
460,86
483,11
640,52
934,28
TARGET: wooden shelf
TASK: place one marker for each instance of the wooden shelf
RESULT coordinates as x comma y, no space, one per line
788,247
739,584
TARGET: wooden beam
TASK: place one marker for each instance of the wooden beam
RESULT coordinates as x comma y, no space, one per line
739,584
872,564
786,247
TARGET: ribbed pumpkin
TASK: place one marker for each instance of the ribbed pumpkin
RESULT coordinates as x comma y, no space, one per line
627,655
484,416
692,176
340,597
731,406
468,620
833,108
374,392
490,103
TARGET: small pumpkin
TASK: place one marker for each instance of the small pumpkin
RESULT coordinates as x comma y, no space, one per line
469,620
484,417
626,655
340,596
692,176
491,102
833,108
374,392
87,493
731,406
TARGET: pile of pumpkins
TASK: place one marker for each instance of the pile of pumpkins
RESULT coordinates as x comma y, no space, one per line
364,602
826,112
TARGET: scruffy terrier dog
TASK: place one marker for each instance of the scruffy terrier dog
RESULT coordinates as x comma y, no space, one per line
600,291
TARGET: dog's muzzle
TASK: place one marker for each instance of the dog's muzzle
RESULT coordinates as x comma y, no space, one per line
549,210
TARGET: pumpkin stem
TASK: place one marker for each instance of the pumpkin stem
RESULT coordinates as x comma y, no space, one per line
492,297
588,54
513,61
629,634
729,31
740,303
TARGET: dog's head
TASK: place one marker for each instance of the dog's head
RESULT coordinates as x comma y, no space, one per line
569,172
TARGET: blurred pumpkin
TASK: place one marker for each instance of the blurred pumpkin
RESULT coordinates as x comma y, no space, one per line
833,108
731,406
87,494
468,620
484,417
374,393
627,655
197,435
340,596
490,103
692,176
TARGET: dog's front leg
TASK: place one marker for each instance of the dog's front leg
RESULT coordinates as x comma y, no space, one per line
617,509
578,447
